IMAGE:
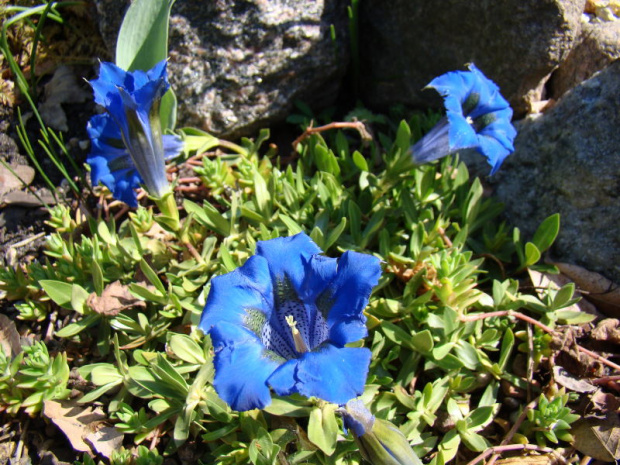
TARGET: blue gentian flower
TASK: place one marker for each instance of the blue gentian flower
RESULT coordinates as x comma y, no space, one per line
282,321
477,117
127,143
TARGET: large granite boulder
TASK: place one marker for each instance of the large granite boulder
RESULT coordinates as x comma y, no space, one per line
517,43
597,46
238,65
567,160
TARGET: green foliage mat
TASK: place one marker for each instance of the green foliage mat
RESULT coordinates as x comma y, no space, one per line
123,297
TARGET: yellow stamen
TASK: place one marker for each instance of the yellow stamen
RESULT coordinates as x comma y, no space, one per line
300,345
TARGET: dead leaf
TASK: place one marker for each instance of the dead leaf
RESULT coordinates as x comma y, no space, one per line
73,420
114,299
569,357
564,378
104,439
9,337
8,179
601,291
598,438
604,402
607,330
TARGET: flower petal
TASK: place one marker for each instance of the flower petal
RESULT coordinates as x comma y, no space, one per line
235,296
462,134
357,274
109,160
454,87
320,272
242,367
173,146
334,374
288,257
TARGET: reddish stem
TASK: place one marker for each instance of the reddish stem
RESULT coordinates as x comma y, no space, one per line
358,125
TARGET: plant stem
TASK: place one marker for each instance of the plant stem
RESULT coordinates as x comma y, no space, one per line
511,447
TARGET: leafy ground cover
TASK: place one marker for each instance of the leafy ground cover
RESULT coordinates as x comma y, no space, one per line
477,351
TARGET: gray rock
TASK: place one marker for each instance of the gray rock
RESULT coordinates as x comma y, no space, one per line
516,43
597,46
238,65
568,161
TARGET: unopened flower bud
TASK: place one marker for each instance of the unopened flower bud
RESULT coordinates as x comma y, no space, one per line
379,441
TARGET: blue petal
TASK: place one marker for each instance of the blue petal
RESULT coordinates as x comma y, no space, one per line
462,133
490,99
288,257
173,146
242,367
357,275
320,272
494,152
333,374
110,162
455,87
248,288
434,145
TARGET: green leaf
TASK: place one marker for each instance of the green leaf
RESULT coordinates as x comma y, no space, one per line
288,407
168,110
423,341
58,291
403,137
262,450
547,232
186,349
208,216
564,295
79,295
573,317
474,441
261,194
152,276
480,417
397,335
75,328
323,428
334,234
532,254
507,344
360,161
196,140
97,277
467,354
291,224
143,37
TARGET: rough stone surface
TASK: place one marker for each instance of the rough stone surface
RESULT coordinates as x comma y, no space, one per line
568,161
237,65
517,43
597,46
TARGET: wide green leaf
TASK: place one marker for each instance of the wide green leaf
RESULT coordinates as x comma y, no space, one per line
143,38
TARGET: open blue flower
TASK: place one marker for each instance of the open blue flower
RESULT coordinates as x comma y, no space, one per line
127,143
282,321
477,117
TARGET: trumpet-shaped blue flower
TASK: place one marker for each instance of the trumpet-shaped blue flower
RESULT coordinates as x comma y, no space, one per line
282,321
127,143
477,117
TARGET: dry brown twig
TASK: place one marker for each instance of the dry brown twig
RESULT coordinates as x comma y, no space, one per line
357,125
